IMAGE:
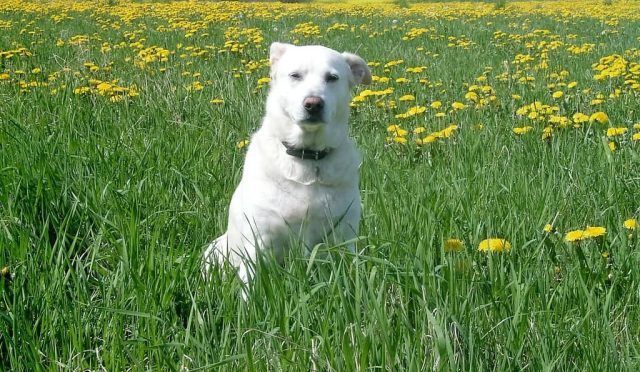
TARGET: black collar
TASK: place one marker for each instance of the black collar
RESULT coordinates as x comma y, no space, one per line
306,154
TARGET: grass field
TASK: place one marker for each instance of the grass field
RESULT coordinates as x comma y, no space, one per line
123,128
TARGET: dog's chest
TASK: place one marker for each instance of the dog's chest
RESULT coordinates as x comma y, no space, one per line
313,202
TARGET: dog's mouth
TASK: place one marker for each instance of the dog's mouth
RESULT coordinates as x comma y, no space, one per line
312,121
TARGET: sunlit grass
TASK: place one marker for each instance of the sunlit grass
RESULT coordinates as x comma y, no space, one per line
499,185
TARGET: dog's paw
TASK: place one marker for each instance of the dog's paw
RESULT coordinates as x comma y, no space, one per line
212,257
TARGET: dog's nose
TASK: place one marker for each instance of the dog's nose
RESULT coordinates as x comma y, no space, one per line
313,105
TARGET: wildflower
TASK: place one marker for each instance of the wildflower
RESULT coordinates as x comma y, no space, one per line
636,137
428,139
103,88
400,140
522,130
472,96
242,144
217,101
494,245
453,245
436,104
446,132
458,105
630,224
264,80
614,132
600,117
407,97
557,94
579,117
419,130
412,111
548,228
594,231
397,130
612,146
589,232
574,236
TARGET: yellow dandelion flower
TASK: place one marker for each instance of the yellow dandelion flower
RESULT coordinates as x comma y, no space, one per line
103,88
557,94
242,144
594,231
636,137
458,105
574,236
614,132
630,224
419,130
471,96
600,117
522,130
447,132
494,245
400,140
429,139
579,117
453,245
217,101
264,80
548,228
412,111
612,146
407,97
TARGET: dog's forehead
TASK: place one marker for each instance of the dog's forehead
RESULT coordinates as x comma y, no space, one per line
313,57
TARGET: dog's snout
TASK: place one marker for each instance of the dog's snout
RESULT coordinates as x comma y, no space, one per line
313,104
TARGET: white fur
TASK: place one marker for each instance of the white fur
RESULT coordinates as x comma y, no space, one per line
282,199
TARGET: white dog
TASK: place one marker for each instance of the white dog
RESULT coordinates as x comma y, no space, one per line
300,179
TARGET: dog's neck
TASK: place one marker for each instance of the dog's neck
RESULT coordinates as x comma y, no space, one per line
306,154
324,137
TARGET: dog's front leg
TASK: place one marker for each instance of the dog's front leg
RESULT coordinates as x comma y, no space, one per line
226,249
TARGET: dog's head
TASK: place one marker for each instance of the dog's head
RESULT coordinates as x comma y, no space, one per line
310,85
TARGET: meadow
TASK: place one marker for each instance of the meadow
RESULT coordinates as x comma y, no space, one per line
500,186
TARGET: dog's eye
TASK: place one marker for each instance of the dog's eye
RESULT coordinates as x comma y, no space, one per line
332,77
295,76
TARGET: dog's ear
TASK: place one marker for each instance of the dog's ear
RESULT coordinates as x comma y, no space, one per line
276,51
359,69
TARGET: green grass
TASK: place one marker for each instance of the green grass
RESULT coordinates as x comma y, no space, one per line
105,208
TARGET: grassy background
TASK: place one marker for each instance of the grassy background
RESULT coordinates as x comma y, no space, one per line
105,206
